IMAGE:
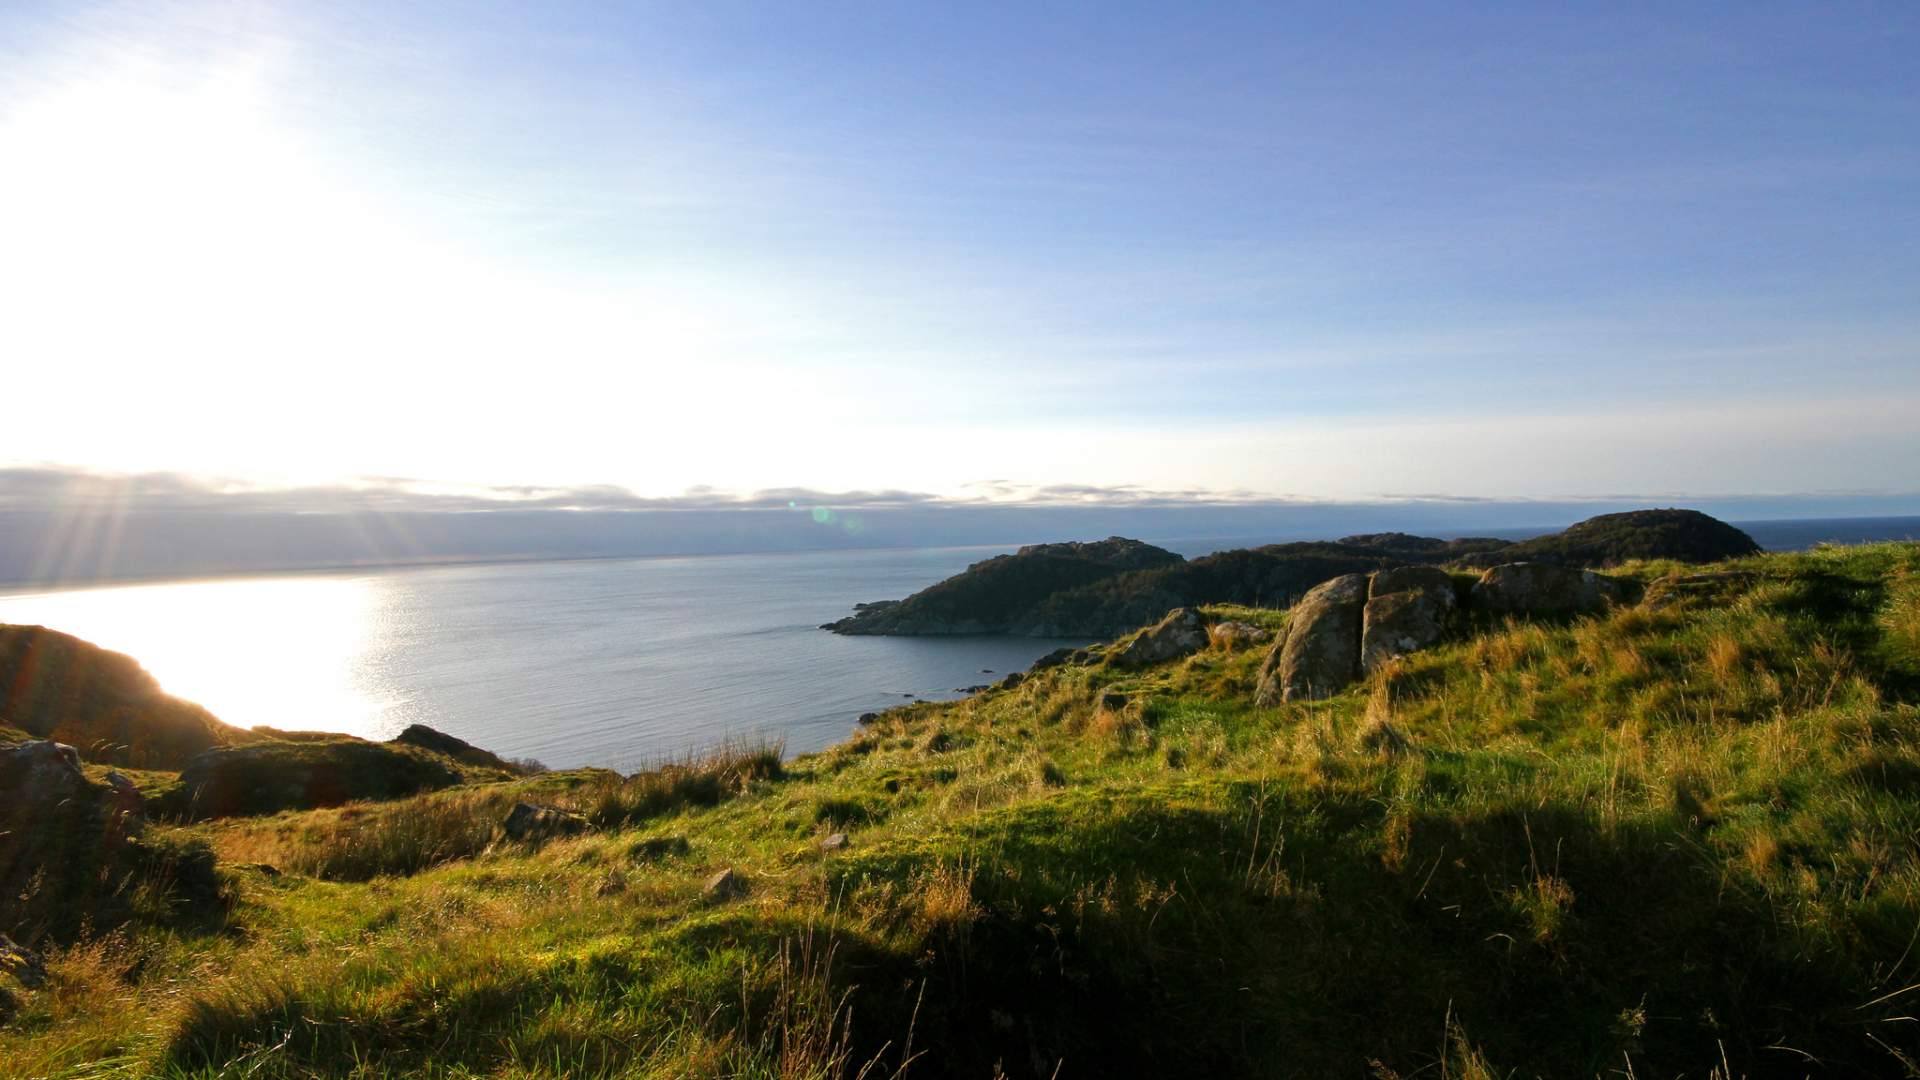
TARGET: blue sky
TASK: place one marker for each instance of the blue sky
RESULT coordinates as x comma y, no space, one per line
1337,251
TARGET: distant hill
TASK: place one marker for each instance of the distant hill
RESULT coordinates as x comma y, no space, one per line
993,596
1611,539
1105,589
56,686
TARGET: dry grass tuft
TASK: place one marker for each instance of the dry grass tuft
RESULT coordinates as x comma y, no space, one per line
943,901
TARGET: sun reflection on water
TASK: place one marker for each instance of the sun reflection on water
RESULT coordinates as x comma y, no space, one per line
286,652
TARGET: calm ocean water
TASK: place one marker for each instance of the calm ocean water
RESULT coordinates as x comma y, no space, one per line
612,662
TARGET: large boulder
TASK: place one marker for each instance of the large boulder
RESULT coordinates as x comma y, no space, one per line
532,822
1320,653
71,850
40,773
1182,633
1407,610
1530,588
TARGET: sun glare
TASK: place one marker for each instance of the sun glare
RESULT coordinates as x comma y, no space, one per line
285,652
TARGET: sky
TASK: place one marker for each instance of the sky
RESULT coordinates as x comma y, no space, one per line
971,252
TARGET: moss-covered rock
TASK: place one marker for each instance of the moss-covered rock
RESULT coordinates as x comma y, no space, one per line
73,855
268,777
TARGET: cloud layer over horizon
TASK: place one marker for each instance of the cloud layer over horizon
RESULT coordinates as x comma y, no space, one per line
64,526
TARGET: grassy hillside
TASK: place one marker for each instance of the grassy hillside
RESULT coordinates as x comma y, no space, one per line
1676,839
56,686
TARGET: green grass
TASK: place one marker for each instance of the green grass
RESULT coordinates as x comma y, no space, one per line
1661,842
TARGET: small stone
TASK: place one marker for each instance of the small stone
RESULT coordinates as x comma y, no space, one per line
724,885
834,842
22,963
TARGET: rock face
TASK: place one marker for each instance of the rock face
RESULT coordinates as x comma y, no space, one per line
529,821
1182,633
1407,610
1543,589
1355,623
1320,653
59,687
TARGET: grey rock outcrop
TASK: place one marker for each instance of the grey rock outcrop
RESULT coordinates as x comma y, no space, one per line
1528,588
41,772
1234,635
1320,653
452,746
1407,610
1182,633
72,850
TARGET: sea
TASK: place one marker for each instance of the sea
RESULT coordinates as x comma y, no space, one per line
622,663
